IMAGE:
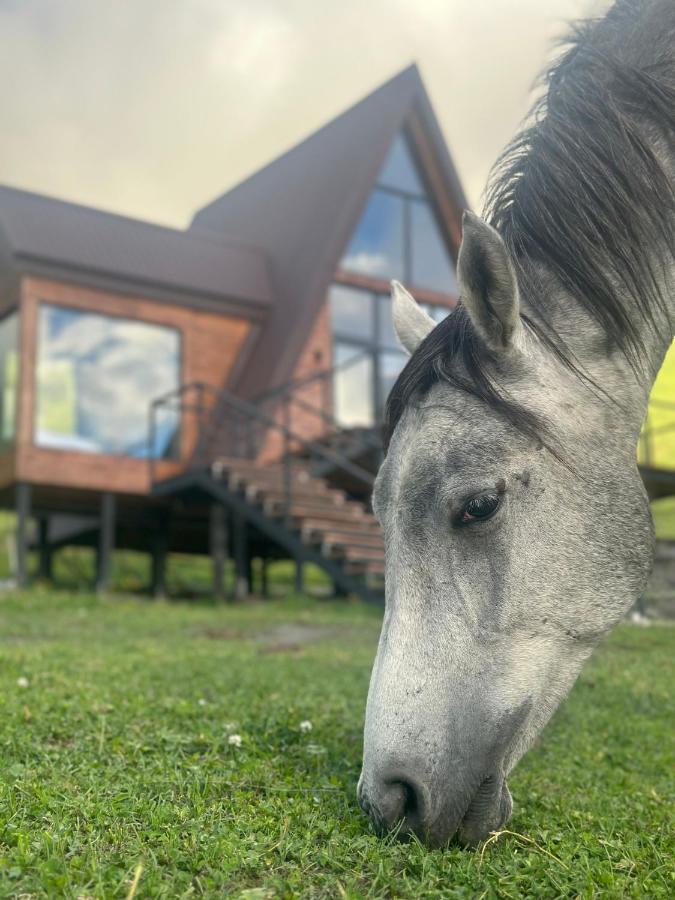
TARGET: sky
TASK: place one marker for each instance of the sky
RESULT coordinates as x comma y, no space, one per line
151,108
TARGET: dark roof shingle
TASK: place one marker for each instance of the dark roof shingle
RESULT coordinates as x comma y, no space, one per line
42,229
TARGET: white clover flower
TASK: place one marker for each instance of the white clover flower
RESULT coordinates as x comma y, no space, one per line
306,726
201,701
234,740
22,682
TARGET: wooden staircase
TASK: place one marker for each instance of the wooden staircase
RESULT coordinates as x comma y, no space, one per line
325,520
290,509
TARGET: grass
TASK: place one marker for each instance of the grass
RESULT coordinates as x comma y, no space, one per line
118,778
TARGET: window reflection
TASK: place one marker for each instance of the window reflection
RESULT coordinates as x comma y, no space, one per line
366,353
399,235
9,376
399,171
351,312
376,248
353,396
431,267
96,378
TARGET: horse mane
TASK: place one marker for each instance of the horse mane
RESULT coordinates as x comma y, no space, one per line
581,195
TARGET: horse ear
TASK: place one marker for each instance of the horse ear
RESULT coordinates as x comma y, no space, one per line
487,284
411,323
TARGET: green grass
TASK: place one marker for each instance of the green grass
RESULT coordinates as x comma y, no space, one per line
116,762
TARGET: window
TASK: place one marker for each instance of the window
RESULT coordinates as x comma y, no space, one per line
399,171
96,378
366,354
430,263
398,235
353,400
352,313
9,376
377,245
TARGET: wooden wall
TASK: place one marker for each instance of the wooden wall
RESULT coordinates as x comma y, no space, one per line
210,346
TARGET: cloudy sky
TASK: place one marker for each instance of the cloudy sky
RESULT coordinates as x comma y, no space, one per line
153,107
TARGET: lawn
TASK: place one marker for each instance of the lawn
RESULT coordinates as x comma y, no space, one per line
118,777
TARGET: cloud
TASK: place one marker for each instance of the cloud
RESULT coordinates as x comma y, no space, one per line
152,108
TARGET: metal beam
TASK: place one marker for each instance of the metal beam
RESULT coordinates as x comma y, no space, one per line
45,568
241,567
106,542
218,544
23,506
159,558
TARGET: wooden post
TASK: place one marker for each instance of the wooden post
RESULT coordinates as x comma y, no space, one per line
45,569
159,556
264,581
239,541
218,547
299,579
106,542
23,504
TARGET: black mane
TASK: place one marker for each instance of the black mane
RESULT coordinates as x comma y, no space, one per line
579,192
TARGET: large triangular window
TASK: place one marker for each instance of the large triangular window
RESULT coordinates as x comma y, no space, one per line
398,235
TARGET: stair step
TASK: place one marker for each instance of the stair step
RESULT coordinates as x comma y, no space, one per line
345,514
364,567
363,554
277,476
350,539
277,493
317,527
244,467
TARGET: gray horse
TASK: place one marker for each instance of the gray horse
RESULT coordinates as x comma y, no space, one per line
516,525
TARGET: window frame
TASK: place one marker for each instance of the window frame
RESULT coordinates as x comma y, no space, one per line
373,348
177,453
408,198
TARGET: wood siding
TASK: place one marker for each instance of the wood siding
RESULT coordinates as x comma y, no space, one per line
210,345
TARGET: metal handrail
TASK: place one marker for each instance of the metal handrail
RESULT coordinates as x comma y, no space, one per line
210,405
295,384
367,440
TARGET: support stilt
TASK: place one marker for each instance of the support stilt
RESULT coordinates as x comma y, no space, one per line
106,542
23,504
241,568
218,545
45,568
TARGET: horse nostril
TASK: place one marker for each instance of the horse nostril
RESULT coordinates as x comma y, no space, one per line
401,802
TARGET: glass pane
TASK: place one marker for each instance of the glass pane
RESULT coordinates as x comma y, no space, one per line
377,245
9,376
386,336
399,170
353,387
96,377
431,264
351,312
389,366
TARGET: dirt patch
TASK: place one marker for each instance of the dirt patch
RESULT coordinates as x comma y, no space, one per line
269,649
295,634
221,634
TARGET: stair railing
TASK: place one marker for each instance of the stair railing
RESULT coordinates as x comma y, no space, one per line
218,426
288,397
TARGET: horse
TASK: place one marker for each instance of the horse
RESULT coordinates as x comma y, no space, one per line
516,525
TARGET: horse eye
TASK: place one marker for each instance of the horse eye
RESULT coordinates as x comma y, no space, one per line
480,508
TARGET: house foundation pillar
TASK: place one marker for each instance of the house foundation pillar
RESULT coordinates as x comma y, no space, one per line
23,509
106,542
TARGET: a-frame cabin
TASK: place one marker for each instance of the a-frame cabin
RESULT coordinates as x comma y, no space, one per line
218,389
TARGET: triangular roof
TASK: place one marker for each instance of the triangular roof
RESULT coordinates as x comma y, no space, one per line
303,207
